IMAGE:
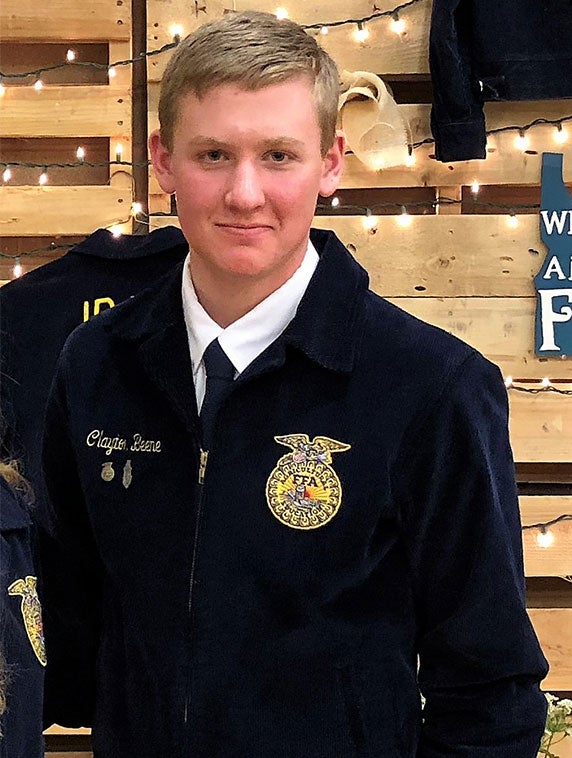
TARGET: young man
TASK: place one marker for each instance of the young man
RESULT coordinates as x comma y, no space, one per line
259,580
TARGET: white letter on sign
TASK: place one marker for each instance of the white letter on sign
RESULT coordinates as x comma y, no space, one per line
549,317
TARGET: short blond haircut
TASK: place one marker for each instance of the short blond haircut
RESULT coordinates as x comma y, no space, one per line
254,50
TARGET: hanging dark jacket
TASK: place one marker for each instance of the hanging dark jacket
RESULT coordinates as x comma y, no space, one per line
483,50
21,632
268,598
38,312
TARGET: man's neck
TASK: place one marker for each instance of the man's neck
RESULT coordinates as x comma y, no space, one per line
227,300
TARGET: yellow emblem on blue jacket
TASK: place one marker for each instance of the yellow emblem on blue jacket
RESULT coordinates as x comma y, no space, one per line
304,491
32,614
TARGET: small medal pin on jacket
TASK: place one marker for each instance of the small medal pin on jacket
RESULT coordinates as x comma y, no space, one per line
270,597
21,633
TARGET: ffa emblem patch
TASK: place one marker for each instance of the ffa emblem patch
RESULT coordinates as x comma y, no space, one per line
32,614
107,471
304,491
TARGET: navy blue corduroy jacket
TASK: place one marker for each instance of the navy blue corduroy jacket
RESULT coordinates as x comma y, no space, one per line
493,50
21,634
38,312
356,510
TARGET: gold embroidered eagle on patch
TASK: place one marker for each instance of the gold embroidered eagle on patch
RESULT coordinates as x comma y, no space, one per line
304,491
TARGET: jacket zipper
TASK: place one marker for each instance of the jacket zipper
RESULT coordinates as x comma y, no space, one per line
204,456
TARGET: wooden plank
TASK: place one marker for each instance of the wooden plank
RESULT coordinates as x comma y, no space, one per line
65,20
46,211
122,176
82,111
554,629
384,52
541,427
555,560
432,258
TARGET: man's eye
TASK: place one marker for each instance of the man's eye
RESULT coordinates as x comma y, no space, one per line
213,156
278,156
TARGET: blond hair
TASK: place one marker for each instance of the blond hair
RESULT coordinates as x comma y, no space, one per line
254,50
10,473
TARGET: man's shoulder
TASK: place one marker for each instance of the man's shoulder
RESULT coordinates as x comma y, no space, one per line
395,338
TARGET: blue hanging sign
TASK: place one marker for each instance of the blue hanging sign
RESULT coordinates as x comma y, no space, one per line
554,280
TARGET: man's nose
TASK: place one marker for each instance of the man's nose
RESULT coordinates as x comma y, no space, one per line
245,190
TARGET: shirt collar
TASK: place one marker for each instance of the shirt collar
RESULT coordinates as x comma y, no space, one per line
246,338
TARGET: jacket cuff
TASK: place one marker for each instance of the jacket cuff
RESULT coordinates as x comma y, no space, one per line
460,141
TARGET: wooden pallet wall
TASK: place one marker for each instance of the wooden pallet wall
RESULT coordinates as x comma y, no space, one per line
78,106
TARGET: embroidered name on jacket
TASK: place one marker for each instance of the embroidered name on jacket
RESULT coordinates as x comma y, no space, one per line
137,444
31,613
304,491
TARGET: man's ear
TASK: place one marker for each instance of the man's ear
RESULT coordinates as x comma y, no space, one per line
333,166
161,160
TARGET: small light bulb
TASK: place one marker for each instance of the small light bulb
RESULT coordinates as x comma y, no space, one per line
404,219
369,221
43,178
376,162
17,270
7,175
560,135
119,152
410,160
324,30
38,84
508,382
397,25
545,538
281,14
545,382
111,72
335,202
116,231
2,89
176,32
137,208
362,32
512,221
70,56
475,187
522,142
80,153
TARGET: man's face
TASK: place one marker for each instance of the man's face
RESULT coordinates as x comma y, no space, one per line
246,168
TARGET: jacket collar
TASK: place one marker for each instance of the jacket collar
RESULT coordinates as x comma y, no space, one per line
102,244
328,322
326,327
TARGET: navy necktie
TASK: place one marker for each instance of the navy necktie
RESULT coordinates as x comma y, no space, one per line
220,375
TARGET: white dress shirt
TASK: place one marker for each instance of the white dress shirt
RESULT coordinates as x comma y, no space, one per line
250,335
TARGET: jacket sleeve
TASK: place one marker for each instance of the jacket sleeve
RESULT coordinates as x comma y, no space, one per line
70,575
480,661
457,118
